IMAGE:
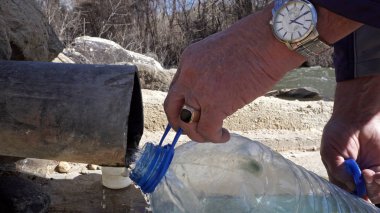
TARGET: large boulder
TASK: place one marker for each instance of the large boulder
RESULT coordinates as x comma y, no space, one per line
153,78
25,33
97,50
94,50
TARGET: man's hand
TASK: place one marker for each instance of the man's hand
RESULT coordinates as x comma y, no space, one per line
226,71
354,132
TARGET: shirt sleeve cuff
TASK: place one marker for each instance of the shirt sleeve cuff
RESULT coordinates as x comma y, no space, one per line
364,11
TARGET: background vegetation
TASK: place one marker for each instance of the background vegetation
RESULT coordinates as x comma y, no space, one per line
159,28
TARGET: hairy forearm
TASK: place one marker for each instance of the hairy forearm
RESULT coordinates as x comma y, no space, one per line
358,100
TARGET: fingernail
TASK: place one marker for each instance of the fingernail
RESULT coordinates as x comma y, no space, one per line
377,181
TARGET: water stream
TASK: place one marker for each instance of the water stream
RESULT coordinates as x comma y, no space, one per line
320,78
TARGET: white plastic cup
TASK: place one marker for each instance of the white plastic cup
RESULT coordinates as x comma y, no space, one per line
115,177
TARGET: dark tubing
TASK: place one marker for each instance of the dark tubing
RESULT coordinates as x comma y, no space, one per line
72,112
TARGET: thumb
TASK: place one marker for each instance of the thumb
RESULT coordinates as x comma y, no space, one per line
339,175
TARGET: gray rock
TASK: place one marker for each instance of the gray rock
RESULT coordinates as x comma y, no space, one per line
304,93
18,194
5,46
62,58
25,33
96,50
153,78
93,50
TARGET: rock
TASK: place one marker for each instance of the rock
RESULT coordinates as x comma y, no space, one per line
25,33
5,46
93,50
153,78
63,167
304,93
18,194
96,50
62,58
312,149
92,167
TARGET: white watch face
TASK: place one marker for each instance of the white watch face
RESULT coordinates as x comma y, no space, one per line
293,21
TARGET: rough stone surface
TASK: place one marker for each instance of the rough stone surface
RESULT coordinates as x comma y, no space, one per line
63,167
25,34
18,194
62,58
93,50
102,51
153,78
5,46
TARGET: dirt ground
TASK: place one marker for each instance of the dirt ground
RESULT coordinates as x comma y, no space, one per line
292,128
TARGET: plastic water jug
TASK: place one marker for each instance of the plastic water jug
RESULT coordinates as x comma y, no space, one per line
239,176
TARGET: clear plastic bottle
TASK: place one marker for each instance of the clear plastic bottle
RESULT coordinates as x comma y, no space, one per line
244,176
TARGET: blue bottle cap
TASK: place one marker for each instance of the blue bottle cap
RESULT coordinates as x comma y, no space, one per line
354,170
154,163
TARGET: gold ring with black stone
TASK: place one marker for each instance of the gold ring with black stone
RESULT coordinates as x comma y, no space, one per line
189,114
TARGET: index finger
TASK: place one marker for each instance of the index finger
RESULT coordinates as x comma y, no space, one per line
172,106
210,126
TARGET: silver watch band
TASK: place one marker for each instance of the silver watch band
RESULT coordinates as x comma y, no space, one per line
313,48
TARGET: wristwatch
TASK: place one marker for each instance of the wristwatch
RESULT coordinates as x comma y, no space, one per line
294,23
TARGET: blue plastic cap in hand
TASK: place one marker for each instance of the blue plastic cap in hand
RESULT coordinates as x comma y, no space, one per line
354,170
154,163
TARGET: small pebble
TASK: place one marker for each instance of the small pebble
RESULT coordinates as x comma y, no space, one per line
63,167
92,167
312,149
